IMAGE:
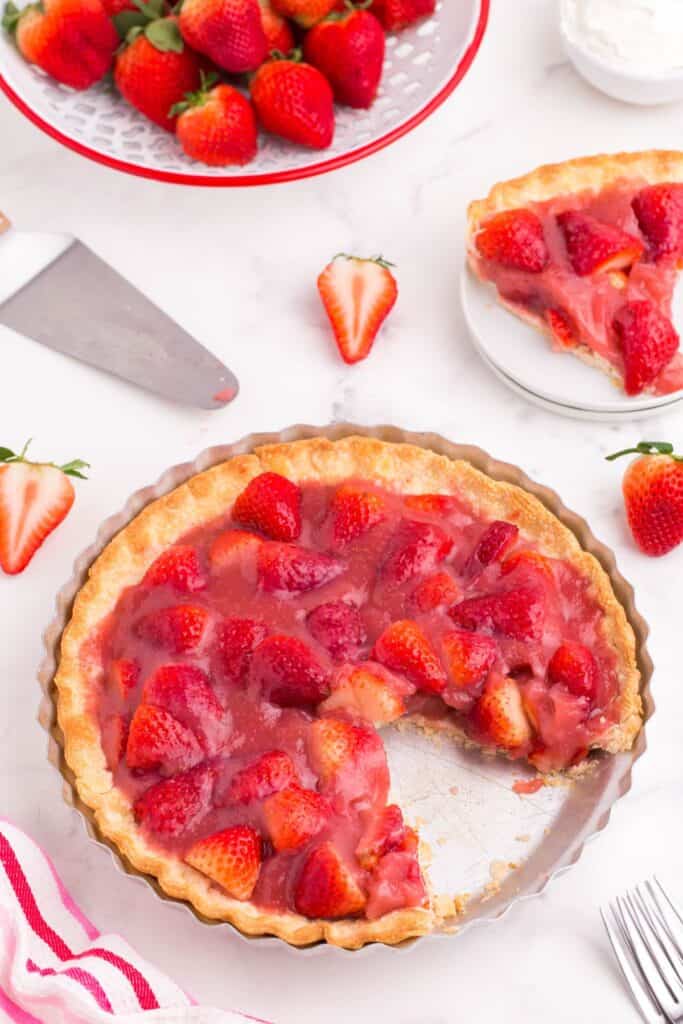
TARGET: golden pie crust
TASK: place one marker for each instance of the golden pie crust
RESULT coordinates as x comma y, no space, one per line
206,496
585,174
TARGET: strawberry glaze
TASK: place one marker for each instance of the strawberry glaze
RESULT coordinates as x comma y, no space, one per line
563,726
591,302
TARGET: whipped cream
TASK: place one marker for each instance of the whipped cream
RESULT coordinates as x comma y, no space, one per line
644,35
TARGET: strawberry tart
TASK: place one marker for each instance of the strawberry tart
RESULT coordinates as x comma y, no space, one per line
238,647
588,252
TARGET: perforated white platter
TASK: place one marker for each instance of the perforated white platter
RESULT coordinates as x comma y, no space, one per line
423,66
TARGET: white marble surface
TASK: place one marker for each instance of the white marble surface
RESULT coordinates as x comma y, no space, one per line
238,268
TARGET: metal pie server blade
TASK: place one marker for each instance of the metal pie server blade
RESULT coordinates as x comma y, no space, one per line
77,304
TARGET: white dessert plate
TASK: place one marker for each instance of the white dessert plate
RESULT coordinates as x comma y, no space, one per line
522,356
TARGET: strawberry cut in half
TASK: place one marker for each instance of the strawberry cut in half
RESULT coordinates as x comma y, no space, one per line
180,629
288,672
178,568
648,340
405,648
596,248
175,805
159,742
294,816
574,666
35,498
659,209
416,549
338,627
515,239
358,295
271,504
326,886
500,714
232,858
369,692
354,511
268,774
518,613
235,642
287,568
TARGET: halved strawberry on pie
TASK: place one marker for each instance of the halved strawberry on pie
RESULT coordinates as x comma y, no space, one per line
588,252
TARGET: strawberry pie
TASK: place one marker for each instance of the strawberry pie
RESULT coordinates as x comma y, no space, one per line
588,252
238,648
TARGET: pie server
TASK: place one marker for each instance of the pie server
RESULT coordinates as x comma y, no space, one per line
55,290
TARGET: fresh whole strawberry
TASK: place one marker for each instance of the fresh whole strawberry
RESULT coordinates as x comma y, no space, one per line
236,640
178,568
229,32
279,35
398,14
405,648
155,70
270,773
353,512
232,858
659,209
158,741
295,101
180,629
594,247
295,815
517,613
74,41
358,295
515,239
171,807
271,504
574,666
415,549
648,340
468,656
326,886
34,499
288,672
304,12
653,495
287,568
338,627
348,48
216,125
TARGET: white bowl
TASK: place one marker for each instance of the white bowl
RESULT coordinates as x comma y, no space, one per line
423,66
619,81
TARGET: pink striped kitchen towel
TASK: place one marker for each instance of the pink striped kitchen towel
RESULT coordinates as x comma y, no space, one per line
56,967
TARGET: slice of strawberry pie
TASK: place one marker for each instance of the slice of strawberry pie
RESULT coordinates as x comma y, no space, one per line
588,252
240,645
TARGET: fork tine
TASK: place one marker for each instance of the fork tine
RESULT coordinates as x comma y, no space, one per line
641,995
660,929
644,956
674,928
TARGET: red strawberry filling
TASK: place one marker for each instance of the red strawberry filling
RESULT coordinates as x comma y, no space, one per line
242,720
584,265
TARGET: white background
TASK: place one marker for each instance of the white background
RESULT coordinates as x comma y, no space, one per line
238,269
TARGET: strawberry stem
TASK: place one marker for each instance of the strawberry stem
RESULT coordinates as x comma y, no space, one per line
647,448
379,260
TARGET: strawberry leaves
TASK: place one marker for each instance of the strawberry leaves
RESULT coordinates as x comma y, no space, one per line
73,468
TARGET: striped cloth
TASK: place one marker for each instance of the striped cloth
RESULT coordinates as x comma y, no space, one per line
56,967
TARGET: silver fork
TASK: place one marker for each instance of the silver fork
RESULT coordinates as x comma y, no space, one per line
645,929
